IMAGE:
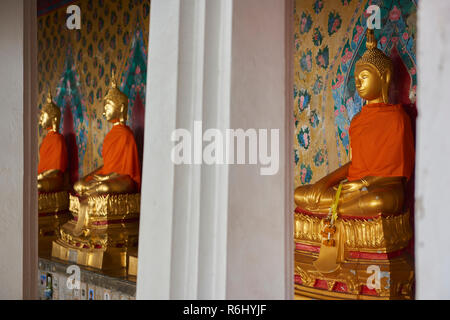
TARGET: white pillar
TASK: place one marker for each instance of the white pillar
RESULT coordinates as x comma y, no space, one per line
214,232
433,151
18,155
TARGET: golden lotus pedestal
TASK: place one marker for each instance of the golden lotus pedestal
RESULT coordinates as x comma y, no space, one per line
375,264
53,211
110,229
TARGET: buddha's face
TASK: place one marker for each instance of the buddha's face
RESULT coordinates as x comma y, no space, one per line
111,111
368,82
45,121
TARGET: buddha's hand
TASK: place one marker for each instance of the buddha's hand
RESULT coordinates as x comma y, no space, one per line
315,192
352,186
100,177
104,177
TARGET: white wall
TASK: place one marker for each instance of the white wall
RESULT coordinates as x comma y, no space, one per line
433,151
11,144
18,150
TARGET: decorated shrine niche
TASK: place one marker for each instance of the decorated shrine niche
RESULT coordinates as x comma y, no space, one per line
355,115
89,204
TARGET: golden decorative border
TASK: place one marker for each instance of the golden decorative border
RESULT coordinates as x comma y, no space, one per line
109,239
382,234
109,205
53,202
398,284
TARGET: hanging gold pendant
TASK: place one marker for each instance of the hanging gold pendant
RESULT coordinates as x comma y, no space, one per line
331,250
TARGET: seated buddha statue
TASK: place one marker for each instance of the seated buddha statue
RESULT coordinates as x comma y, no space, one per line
53,198
120,172
106,207
53,151
381,149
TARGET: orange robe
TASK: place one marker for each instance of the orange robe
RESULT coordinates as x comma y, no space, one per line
53,153
382,142
120,153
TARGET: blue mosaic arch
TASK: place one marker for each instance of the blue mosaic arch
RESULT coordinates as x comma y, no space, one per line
134,77
68,93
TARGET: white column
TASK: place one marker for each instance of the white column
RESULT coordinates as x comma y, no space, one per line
214,232
433,151
179,203
18,156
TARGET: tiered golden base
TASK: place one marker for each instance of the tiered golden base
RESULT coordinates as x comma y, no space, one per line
112,229
369,244
53,211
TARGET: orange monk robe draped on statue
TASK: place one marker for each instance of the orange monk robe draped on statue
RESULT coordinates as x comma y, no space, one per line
120,153
53,153
382,142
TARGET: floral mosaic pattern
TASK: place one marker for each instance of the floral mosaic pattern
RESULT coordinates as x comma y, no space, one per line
318,6
304,99
314,119
334,23
305,23
305,174
304,137
319,158
322,57
317,37
318,85
306,61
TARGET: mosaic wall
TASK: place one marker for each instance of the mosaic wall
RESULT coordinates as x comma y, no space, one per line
329,38
77,64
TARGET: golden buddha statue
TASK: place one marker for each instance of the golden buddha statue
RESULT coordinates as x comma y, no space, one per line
106,204
53,198
358,209
53,151
120,172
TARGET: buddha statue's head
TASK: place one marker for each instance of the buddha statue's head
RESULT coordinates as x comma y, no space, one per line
50,116
115,104
373,72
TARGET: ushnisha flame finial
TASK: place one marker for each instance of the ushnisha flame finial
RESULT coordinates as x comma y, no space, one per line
371,42
113,79
49,97
375,56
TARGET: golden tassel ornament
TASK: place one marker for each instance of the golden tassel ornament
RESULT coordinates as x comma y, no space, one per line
331,249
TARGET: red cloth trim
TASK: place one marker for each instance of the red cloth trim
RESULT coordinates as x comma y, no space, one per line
321,284
356,254
340,287
368,292
306,247
298,279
